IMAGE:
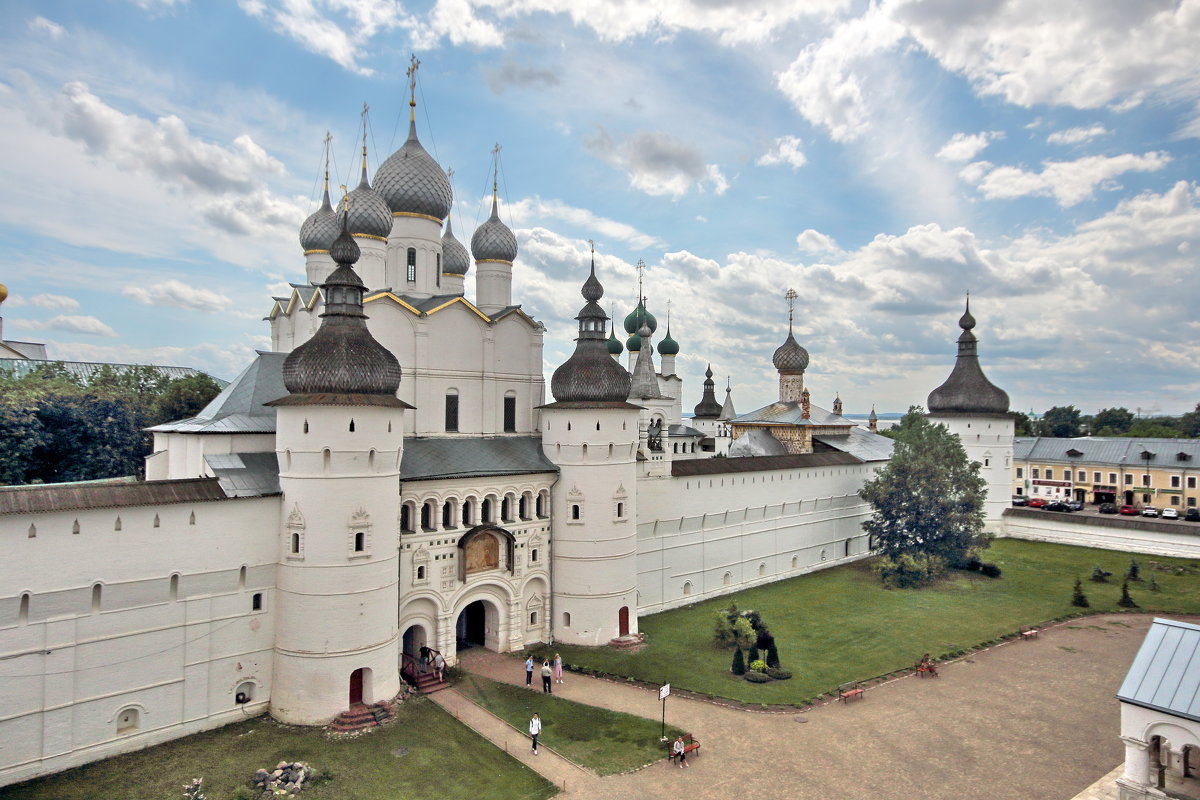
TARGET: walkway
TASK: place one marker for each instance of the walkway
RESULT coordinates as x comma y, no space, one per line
1035,719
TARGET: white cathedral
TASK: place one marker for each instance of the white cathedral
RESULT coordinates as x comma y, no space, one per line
391,476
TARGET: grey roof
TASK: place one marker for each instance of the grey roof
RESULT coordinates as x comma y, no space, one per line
411,182
34,350
455,259
1116,450
967,390
86,369
246,474
590,375
322,227
240,407
790,356
644,382
727,410
791,413
756,442
717,466
367,212
106,494
1165,673
684,430
493,241
859,443
428,458
708,407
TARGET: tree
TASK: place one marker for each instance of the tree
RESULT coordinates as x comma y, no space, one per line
773,654
928,500
1134,573
1157,428
1061,422
1126,601
739,662
1078,598
1022,424
1111,421
1189,423
184,397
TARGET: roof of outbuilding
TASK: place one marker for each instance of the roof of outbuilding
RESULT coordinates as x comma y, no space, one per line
792,413
1116,450
241,406
106,494
1165,673
246,474
718,466
429,458
859,443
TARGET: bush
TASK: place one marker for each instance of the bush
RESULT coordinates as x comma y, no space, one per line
972,564
757,677
908,570
778,674
739,663
1099,575
753,655
735,632
244,793
1134,571
754,618
773,653
758,665
990,570
1153,585
1126,601
1078,598
765,640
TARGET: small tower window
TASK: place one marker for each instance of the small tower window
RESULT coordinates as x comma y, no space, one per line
412,264
174,591
510,414
533,555
687,588
575,511
295,543
533,618
566,619
23,612
117,524
75,527
127,720
360,539
420,573
256,602
32,534
452,412
352,426
192,518
157,522
96,597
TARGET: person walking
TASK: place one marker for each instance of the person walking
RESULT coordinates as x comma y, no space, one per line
546,672
439,664
535,727
529,672
558,668
680,751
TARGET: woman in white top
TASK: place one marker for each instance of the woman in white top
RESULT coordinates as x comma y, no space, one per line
535,727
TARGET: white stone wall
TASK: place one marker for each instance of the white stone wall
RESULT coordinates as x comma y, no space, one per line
1049,526
171,632
705,536
987,440
178,455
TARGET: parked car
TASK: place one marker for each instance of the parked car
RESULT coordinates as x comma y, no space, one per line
1075,505
1020,500
1149,511
1036,502
1128,511
1192,515
1169,513
1110,508
1057,505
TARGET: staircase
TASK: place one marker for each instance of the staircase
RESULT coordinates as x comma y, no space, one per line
427,683
360,717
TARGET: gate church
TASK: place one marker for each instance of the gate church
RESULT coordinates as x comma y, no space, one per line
391,475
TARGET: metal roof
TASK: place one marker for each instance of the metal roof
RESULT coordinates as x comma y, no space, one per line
246,474
791,413
85,369
684,430
1115,450
240,407
65,496
1165,673
860,444
428,458
718,466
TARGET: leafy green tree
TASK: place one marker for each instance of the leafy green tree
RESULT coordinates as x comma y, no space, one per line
1189,423
183,398
1061,422
928,500
1111,421
1158,428
1022,424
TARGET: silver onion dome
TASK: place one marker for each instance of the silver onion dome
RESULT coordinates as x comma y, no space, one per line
590,375
367,213
493,241
411,182
455,260
790,357
321,228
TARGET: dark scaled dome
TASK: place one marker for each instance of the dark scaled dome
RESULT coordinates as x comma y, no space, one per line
493,241
615,348
367,213
321,228
411,182
634,343
708,407
790,357
455,260
639,315
967,390
590,375
342,357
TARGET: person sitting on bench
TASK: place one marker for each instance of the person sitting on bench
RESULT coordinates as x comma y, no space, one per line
680,751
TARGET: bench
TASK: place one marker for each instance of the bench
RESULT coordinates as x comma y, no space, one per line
925,668
848,691
1029,633
690,747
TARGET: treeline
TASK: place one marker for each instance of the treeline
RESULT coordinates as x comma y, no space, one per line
56,426
1067,421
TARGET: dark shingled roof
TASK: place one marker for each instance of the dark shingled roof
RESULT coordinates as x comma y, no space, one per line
719,466
967,390
66,496
590,375
708,407
429,458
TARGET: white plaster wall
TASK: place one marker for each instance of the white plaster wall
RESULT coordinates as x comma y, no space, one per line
179,455
754,527
425,236
371,261
493,285
987,440
1050,527
67,668
1138,726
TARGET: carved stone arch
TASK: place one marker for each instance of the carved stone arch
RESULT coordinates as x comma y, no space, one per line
533,611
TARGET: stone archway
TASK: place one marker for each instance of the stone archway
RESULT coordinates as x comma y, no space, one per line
478,624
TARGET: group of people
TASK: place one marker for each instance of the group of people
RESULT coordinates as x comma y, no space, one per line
433,658
552,672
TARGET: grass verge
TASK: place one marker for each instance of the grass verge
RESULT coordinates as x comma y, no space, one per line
604,741
839,625
424,755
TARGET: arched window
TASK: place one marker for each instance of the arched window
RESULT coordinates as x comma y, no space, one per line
795,561
762,570
412,264
533,618
687,588
127,720
539,506
96,590
295,544
522,508
405,518
23,611
326,458
566,619
157,523
727,578
452,411
505,510
468,512
360,541
574,511
117,524
174,592
256,602
487,510
352,426
533,555
447,515
420,573
75,527
32,533
510,412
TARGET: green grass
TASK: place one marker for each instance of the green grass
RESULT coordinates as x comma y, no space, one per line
839,625
444,760
606,742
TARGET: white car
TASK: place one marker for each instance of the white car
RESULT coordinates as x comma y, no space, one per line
1149,511
1169,513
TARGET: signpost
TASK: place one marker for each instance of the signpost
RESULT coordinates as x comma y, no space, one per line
664,692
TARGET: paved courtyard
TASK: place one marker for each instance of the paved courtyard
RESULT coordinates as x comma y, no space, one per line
1032,720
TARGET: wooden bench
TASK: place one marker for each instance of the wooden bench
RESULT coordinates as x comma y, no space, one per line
848,691
926,668
1029,633
690,747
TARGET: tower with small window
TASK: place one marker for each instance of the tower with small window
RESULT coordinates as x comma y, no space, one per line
591,432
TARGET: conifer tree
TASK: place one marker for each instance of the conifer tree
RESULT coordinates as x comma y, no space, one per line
1078,598
1134,571
739,662
1126,601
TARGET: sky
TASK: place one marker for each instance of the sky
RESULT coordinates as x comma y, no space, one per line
882,159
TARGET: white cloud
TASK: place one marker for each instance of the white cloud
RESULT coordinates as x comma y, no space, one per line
784,150
534,210
1077,135
965,146
89,326
1069,182
658,163
176,294
43,25
336,29
50,302
811,241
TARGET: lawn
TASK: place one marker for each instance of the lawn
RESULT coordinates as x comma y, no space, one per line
606,742
424,754
839,625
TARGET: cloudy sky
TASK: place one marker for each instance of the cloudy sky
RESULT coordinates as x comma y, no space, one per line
881,159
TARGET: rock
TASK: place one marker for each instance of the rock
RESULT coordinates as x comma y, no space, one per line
281,765
276,773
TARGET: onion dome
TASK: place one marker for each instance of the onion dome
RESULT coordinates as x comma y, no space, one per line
614,344
634,343
639,315
790,357
367,213
708,407
493,241
342,357
668,346
3,292
455,260
967,390
412,183
590,375
321,228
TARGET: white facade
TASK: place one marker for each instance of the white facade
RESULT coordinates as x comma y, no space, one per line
988,440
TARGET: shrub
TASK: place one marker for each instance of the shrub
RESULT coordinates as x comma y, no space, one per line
758,665
778,674
909,570
1134,571
1099,575
1126,601
754,618
972,564
757,677
990,570
1153,585
739,662
773,653
735,632
765,640
753,655
244,793
1078,598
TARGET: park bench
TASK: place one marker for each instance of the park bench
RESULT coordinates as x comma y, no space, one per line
1028,632
926,668
690,747
848,691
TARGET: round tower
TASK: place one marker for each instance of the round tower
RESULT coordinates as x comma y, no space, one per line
591,432
340,426
975,409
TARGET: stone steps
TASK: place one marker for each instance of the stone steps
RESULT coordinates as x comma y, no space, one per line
361,716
